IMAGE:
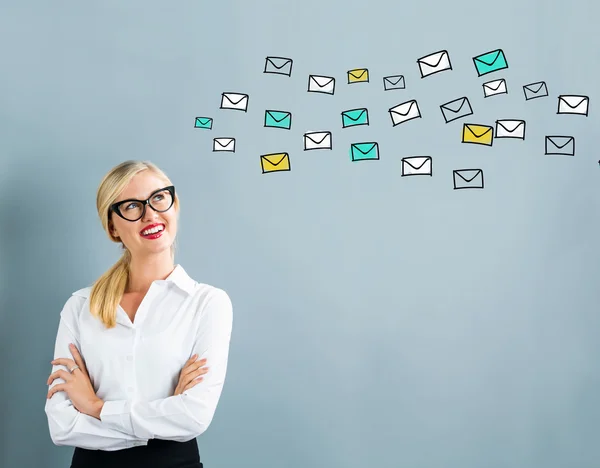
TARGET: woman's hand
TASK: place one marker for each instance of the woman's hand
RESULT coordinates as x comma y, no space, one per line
189,375
77,384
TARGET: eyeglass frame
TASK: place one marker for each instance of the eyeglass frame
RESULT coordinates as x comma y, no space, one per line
115,207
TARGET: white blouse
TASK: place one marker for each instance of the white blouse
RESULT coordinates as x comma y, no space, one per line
135,367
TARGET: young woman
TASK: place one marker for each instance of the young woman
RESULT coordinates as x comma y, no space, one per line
141,356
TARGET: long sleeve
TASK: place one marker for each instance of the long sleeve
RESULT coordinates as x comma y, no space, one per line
187,415
67,425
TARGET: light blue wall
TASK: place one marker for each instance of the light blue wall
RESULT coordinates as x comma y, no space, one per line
379,320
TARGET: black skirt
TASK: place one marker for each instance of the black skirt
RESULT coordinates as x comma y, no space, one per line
157,454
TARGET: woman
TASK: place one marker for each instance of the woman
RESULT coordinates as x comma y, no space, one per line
155,342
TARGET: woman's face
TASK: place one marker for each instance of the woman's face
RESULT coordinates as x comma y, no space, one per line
134,234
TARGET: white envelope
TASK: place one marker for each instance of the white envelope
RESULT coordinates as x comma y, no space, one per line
491,88
321,84
468,178
416,165
317,140
510,129
573,104
234,101
434,63
224,144
404,112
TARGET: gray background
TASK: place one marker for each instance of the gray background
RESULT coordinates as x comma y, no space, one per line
379,320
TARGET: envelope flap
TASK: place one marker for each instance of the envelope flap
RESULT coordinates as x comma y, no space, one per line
489,58
493,85
364,148
235,98
433,60
407,105
279,62
457,103
223,141
357,73
556,140
478,130
317,137
394,80
275,159
535,87
278,116
468,174
416,162
203,120
322,81
572,101
510,125
354,114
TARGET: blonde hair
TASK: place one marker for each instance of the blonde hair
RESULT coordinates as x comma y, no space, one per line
108,290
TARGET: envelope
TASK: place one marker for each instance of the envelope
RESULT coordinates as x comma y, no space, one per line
416,165
490,62
434,63
355,117
364,151
491,88
278,119
278,65
321,84
456,109
235,101
468,178
404,112
510,129
393,82
573,104
317,140
203,122
478,134
275,162
535,90
224,144
358,75
560,144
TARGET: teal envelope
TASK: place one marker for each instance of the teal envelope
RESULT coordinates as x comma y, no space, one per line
278,119
364,151
490,62
203,122
354,117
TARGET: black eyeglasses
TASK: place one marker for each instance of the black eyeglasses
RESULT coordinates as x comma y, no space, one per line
131,209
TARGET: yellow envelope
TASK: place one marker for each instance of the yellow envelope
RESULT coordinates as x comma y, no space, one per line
478,134
358,75
275,162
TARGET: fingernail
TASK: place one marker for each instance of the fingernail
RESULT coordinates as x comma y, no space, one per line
71,345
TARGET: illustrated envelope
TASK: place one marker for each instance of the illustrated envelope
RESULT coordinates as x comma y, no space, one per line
560,144
364,151
355,117
573,104
275,162
235,101
478,134
535,90
404,112
278,66
492,88
416,165
224,144
203,122
358,75
278,119
510,129
468,178
317,140
434,63
393,82
490,62
456,109
321,84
